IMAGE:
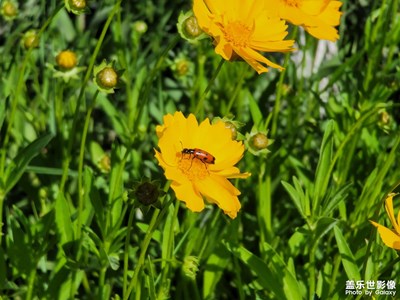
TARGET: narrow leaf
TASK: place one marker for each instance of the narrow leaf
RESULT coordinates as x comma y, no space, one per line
348,260
20,162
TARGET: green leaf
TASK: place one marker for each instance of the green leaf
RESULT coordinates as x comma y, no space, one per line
215,265
321,175
116,184
2,269
150,279
113,260
300,199
19,248
276,277
2,111
20,162
348,260
332,202
63,219
323,226
254,109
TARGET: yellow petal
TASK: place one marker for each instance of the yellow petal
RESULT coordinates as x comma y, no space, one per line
323,33
390,212
389,238
220,191
185,192
251,54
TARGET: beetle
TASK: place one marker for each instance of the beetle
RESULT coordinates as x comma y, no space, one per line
201,155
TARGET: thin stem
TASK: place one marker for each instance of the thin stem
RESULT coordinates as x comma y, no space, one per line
277,106
168,256
237,90
311,270
17,93
212,225
80,166
67,160
31,283
210,84
126,253
3,150
155,220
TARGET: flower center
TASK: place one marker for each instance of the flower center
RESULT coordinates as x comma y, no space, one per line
293,3
238,33
193,168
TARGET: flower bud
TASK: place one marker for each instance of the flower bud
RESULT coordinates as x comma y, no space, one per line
232,128
189,28
384,118
232,125
9,10
147,193
257,142
140,27
104,164
66,60
76,6
190,266
31,39
107,78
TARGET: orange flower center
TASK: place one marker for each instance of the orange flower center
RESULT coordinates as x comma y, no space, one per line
293,3
237,33
193,168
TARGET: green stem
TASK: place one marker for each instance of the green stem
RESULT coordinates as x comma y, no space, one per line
155,220
169,254
279,90
3,150
126,252
67,159
311,270
31,284
264,204
210,83
80,166
212,226
148,85
16,97
102,280
236,91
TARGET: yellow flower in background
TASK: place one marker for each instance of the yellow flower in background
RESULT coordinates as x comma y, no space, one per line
199,159
317,17
391,238
242,28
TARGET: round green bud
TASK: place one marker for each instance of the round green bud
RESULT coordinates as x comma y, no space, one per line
78,4
31,39
259,141
140,27
107,78
191,27
9,10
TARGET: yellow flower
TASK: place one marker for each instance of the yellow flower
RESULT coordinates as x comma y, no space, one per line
391,238
317,17
242,28
193,175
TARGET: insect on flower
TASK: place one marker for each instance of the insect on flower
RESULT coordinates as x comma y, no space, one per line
196,174
203,156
